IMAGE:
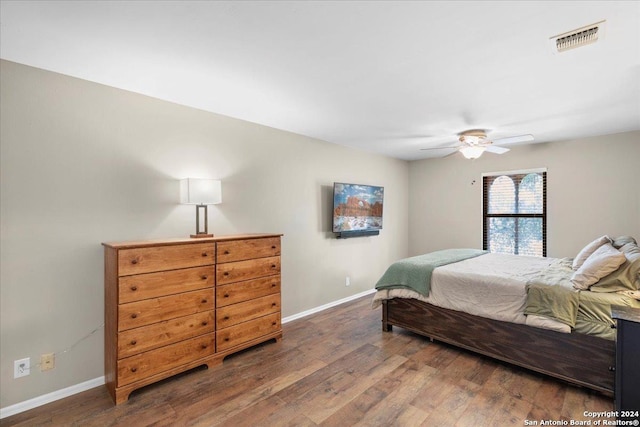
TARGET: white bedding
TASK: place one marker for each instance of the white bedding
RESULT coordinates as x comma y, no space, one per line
491,286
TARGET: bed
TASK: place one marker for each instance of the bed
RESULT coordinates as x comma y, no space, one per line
537,313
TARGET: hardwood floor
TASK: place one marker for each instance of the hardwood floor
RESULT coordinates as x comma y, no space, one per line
335,368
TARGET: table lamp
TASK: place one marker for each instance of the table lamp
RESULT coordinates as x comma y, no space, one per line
201,192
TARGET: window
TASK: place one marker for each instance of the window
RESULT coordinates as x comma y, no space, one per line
514,212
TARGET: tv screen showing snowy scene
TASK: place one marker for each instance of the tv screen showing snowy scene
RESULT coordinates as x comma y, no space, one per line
357,207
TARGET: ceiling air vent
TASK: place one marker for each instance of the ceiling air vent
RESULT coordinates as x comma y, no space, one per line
577,38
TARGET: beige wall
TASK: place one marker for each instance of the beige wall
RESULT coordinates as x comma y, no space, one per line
83,163
593,188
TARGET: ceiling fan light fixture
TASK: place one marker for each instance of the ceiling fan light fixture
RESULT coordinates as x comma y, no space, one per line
472,152
470,139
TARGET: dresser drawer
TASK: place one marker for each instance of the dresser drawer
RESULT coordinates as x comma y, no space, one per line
239,250
151,285
161,258
248,310
246,270
162,359
249,289
236,335
147,338
145,312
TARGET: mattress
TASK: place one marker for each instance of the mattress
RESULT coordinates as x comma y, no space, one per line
495,286
492,286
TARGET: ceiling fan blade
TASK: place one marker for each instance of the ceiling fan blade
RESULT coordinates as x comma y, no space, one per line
442,148
495,149
513,139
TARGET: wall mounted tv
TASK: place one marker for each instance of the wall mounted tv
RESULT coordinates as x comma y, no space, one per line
357,209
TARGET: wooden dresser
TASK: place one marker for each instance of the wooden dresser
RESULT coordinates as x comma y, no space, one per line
172,305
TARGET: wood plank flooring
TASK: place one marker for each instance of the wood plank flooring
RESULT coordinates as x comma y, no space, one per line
335,368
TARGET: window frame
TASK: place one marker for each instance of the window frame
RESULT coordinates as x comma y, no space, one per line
516,176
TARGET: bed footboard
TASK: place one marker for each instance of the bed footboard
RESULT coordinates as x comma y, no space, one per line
577,358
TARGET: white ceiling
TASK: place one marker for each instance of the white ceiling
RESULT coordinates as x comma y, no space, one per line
390,77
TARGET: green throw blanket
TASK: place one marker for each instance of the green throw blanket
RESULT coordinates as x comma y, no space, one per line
415,273
551,294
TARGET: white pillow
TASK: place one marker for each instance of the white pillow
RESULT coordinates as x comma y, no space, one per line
588,250
606,259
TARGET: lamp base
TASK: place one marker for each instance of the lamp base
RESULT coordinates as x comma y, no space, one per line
205,232
196,236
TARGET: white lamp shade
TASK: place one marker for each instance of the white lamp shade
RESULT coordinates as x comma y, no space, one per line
472,152
200,191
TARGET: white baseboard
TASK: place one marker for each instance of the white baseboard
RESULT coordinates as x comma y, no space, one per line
50,397
326,306
78,388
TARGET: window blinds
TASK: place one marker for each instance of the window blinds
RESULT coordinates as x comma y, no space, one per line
514,212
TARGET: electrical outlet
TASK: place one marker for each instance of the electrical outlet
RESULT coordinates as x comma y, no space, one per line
21,368
347,282
47,361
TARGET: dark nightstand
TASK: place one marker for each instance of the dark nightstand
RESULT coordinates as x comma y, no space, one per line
627,385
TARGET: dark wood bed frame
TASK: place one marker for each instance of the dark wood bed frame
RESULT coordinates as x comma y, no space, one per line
577,358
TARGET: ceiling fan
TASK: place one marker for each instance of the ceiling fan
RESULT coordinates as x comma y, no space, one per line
474,142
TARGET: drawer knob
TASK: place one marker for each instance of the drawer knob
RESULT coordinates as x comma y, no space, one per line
134,369
204,254
273,266
204,300
226,273
134,315
273,285
274,323
203,346
134,288
226,252
226,317
273,304
134,261
273,247
204,323
226,339
203,277
226,295
134,342
612,368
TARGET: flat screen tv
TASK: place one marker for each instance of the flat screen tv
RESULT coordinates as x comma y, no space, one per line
357,209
